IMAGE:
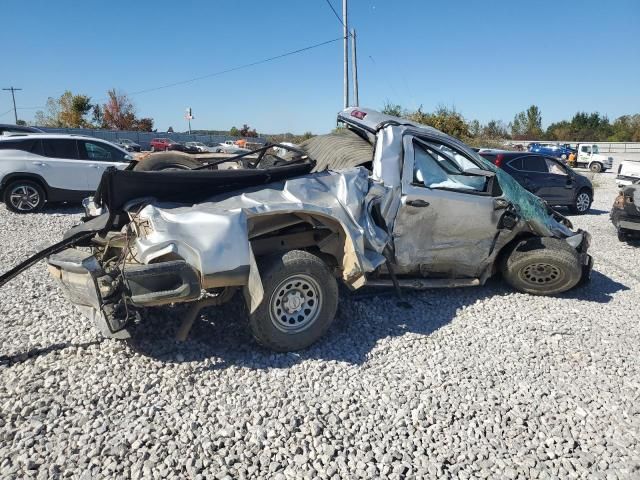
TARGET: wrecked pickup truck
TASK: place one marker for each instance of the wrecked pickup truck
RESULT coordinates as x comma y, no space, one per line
385,203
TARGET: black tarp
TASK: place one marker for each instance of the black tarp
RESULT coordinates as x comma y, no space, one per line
118,187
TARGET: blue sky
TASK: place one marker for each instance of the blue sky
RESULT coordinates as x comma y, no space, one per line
489,59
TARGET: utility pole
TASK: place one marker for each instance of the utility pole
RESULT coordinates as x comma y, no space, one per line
346,53
354,68
189,116
15,111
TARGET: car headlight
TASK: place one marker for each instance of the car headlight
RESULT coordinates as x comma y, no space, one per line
575,240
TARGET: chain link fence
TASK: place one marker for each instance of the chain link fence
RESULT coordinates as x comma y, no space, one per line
144,138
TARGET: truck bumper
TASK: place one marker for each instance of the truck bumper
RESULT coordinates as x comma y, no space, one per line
101,296
586,260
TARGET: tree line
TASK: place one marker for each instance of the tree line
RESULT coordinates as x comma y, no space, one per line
77,111
526,125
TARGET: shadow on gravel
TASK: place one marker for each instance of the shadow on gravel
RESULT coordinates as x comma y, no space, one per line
39,351
221,338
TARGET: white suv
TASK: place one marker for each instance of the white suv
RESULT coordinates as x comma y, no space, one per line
39,168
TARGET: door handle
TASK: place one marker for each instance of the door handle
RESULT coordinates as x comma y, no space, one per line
94,166
417,203
39,164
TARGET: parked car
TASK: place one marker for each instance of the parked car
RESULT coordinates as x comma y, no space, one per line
628,172
128,145
552,150
198,147
229,148
546,177
8,129
625,213
429,213
164,144
40,168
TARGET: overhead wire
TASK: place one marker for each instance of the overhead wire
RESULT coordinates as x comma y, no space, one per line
240,67
334,12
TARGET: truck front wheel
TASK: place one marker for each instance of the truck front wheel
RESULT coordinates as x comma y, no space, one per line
595,167
542,266
299,304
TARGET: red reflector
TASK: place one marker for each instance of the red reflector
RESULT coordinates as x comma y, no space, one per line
359,114
499,160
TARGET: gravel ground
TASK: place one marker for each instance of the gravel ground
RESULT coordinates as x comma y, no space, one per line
467,383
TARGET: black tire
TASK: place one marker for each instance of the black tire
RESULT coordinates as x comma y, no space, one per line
338,150
294,277
622,235
160,161
24,196
596,167
542,266
581,205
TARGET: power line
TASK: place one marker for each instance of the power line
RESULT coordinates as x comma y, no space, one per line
13,95
240,67
334,12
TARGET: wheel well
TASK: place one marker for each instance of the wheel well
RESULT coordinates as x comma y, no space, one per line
13,177
507,248
317,234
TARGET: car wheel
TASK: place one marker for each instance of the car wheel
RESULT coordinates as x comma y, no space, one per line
582,202
299,303
165,161
563,156
24,196
542,266
595,167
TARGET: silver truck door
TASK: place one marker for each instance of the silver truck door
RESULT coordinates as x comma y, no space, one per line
446,223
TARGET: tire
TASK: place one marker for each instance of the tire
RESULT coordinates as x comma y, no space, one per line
24,196
582,202
542,266
622,235
294,277
160,161
596,167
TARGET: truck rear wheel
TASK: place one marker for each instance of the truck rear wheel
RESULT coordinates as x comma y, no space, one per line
299,304
542,266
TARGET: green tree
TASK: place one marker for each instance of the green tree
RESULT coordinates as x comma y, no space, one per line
475,128
626,129
68,111
495,129
445,119
392,109
234,132
527,125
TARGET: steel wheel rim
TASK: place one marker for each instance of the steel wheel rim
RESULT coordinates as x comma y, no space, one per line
295,303
582,202
24,198
541,274
173,168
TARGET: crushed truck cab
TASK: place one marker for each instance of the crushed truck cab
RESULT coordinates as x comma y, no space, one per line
385,202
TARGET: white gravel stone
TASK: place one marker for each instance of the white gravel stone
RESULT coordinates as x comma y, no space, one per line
468,383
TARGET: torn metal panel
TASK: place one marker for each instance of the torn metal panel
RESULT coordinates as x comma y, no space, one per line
214,235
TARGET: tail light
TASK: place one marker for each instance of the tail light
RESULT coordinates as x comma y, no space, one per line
499,160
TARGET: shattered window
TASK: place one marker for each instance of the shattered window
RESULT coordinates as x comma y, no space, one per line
440,167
